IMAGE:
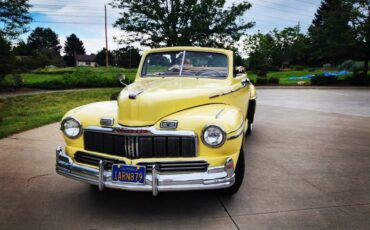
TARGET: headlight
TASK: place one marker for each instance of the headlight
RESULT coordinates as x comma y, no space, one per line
71,127
213,136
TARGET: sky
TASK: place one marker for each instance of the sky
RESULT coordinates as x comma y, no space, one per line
86,18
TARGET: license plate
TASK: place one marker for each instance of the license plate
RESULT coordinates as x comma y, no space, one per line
128,174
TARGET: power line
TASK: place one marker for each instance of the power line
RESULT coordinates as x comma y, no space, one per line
62,6
102,23
53,11
307,2
279,4
278,18
114,18
78,16
266,22
61,1
283,10
62,22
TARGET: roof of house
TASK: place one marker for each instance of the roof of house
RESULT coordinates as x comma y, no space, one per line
81,57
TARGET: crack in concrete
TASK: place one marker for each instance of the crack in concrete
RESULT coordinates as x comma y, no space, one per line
35,177
304,209
25,138
11,178
227,211
28,180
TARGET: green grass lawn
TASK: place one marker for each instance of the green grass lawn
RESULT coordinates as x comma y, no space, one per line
34,78
283,76
26,112
76,77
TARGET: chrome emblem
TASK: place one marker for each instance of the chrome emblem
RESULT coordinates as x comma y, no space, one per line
169,124
106,121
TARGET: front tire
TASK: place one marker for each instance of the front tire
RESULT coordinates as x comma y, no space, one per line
239,176
250,116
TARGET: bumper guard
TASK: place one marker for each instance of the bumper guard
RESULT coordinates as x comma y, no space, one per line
214,178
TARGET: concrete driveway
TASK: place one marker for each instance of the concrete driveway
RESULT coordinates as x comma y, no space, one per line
308,166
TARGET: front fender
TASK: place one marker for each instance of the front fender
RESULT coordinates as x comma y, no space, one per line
228,117
90,115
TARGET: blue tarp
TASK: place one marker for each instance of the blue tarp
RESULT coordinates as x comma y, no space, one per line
325,74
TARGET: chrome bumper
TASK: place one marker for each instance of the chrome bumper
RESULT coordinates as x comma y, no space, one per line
214,178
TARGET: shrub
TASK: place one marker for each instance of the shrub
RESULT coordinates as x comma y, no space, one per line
261,81
80,77
326,66
269,68
18,80
12,81
347,64
358,79
273,80
322,80
358,66
262,73
114,96
56,71
298,67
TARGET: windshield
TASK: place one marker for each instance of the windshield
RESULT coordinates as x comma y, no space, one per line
193,63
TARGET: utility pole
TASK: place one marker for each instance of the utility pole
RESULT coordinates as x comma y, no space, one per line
106,37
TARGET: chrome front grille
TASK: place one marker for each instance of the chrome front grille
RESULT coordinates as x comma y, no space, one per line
90,159
132,146
140,146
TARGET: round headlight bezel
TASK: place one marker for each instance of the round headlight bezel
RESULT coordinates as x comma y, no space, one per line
79,125
222,132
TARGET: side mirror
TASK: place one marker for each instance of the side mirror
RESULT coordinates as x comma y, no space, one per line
121,77
239,70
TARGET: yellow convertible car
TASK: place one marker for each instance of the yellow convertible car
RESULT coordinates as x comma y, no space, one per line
180,126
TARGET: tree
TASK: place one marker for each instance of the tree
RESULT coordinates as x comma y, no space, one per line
186,22
277,47
43,38
331,36
259,46
290,46
361,24
13,18
73,45
100,58
39,59
6,59
21,49
127,57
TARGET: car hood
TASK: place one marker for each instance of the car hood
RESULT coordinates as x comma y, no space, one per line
146,101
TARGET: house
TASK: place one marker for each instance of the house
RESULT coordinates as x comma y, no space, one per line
85,60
